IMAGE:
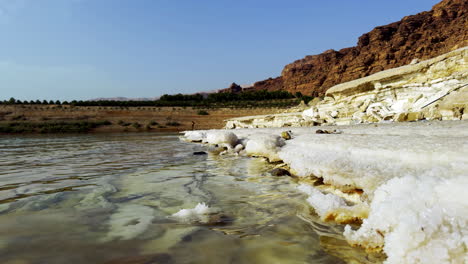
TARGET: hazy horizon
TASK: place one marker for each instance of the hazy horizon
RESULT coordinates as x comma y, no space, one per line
83,49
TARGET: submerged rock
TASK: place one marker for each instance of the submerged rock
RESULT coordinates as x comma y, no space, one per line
280,172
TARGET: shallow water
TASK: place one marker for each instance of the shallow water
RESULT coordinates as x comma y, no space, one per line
107,198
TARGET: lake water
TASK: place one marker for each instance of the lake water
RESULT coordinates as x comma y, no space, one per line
107,198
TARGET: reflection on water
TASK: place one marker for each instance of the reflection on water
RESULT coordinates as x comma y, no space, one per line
107,198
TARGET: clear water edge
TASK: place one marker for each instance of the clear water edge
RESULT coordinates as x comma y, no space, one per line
106,198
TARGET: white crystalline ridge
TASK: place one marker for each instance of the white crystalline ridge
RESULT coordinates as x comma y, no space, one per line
223,137
414,176
198,214
194,135
322,203
418,220
265,145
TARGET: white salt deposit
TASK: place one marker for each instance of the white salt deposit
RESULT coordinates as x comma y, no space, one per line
414,176
194,135
265,145
220,137
322,203
418,220
199,214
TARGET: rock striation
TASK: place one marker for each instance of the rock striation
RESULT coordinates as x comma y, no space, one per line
417,37
431,89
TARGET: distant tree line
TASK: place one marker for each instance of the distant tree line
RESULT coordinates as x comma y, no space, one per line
249,98
13,101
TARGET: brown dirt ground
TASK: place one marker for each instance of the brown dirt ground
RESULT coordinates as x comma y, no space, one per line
130,115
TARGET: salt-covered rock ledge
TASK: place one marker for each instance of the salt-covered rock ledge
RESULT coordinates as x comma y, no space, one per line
413,178
431,89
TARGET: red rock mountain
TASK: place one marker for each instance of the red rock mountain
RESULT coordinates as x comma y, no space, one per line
422,36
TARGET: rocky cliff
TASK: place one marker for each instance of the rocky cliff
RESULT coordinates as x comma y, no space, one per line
432,89
418,37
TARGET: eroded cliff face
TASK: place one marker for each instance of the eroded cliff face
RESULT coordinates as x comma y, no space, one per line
417,37
431,89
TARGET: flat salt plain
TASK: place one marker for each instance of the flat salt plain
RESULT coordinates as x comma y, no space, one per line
414,178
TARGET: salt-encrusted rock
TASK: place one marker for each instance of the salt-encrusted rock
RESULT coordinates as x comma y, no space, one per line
335,131
264,145
286,135
216,149
238,148
220,137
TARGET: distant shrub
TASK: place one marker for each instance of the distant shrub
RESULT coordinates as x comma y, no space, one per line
18,117
123,123
202,112
153,123
136,125
173,123
51,127
104,123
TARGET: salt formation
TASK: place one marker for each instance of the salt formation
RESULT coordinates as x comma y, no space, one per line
264,145
418,220
404,181
432,89
228,138
199,214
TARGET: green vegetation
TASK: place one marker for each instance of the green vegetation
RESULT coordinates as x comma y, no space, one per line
247,99
202,112
51,127
172,123
136,125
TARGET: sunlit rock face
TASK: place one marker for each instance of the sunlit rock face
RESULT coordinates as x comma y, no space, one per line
432,89
422,36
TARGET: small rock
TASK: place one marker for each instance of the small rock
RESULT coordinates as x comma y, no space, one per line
200,153
286,135
279,172
336,131
218,219
414,116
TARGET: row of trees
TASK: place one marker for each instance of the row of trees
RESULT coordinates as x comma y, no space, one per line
13,101
214,99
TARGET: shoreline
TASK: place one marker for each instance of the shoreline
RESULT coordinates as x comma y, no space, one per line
71,119
396,180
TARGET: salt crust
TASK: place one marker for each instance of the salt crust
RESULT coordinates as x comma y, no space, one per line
414,176
322,203
199,214
420,219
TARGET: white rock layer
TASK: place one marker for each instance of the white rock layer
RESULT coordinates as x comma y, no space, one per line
432,89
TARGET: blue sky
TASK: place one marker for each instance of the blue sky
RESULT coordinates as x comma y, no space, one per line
83,49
